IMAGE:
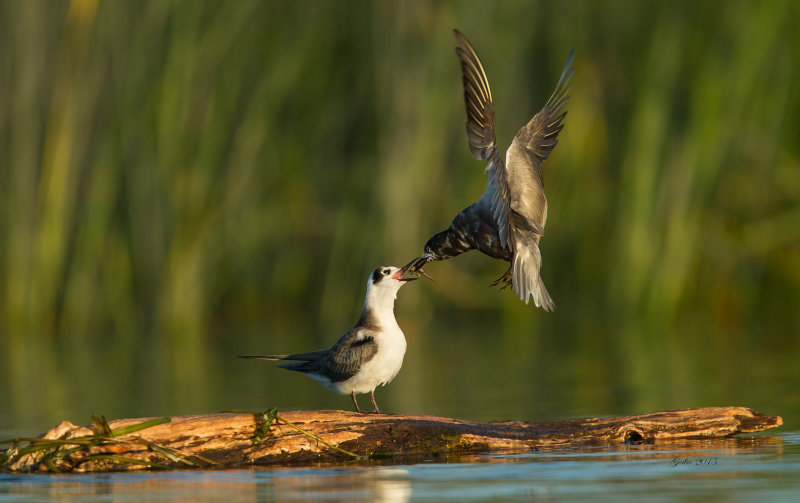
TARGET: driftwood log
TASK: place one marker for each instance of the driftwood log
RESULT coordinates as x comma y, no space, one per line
237,439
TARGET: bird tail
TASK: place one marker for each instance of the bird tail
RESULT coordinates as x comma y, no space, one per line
265,357
301,362
525,276
299,357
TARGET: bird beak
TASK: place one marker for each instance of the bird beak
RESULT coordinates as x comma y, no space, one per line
415,267
399,274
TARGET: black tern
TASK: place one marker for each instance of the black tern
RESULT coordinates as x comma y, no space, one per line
370,354
508,220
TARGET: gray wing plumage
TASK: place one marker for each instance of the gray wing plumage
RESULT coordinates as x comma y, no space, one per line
528,204
530,148
339,363
351,351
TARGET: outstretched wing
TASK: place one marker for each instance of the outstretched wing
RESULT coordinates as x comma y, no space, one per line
481,135
530,148
527,202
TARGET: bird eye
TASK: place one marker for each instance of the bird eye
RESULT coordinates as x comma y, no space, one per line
386,272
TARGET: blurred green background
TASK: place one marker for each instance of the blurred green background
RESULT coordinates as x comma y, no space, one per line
185,181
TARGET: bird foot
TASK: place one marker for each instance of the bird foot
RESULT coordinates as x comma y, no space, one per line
353,396
503,281
375,409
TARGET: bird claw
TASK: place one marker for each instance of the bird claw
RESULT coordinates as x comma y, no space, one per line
504,281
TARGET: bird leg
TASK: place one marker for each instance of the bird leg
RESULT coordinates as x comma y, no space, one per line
504,280
372,397
353,396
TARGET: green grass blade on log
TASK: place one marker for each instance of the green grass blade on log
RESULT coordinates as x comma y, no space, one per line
319,439
51,466
177,456
139,426
101,425
172,456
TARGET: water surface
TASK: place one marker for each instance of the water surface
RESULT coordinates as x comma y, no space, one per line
754,468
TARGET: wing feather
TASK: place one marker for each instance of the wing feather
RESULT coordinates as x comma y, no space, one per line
339,363
530,148
481,134
346,357
478,100
539,136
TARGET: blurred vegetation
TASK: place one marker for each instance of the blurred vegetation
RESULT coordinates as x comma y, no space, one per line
183,181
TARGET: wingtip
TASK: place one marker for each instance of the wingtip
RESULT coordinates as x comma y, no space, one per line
463,43
570,57
567,72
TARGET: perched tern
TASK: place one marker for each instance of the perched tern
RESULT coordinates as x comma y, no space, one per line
370,354
508,220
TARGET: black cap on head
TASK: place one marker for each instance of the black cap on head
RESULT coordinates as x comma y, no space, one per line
380,273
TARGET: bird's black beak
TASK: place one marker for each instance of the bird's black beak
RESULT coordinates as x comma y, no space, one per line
415,267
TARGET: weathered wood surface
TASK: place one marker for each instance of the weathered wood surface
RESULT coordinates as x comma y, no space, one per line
230,439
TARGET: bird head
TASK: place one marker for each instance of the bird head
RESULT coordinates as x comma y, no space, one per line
387,280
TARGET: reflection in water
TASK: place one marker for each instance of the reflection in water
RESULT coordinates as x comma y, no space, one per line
765,468
685,448
391,485
384,484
